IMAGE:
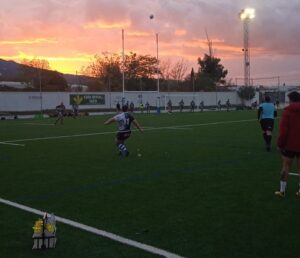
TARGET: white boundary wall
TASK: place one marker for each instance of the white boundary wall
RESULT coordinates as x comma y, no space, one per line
31,101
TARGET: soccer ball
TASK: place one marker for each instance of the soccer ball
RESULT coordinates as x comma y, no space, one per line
139,155
151,16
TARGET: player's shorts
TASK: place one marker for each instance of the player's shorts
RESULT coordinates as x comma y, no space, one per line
123,135
60,114
290,154
267,124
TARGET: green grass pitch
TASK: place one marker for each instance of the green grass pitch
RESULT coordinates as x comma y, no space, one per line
197,191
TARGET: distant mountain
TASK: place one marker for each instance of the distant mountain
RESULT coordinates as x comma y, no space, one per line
9,70
77,79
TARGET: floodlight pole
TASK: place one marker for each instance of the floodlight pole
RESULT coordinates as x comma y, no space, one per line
246,53
123,67
40,84
246,15
157,68
278,89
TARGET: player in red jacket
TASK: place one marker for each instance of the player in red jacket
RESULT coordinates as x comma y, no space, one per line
289,140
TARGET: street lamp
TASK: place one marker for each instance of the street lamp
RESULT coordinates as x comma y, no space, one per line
246,15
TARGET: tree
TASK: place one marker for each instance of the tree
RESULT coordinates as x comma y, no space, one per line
37,63
173,75
140,66
53,81
39,74
246,92
178,70
165,69
139,71
30,71
211,73
107,69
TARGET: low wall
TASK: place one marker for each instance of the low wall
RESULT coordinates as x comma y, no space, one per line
34,101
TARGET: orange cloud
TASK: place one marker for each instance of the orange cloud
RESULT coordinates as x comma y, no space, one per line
137,34
180,32
107,25
29,41
199,43
220,46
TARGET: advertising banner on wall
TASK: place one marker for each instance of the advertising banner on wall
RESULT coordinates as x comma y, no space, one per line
87,99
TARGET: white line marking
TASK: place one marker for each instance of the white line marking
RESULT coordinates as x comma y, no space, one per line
179,128
212,123
293,174
113,132
37,124
96,231
59,137
14,144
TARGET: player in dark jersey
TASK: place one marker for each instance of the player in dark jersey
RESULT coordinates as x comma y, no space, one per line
227,105
74,110
124,121
193,106
201,106
169,106
219,105
181,105
60,109
118,107
148,107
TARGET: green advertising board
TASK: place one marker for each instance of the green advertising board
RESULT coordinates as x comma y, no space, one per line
87,99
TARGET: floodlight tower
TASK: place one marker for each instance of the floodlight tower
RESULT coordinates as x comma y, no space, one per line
246,15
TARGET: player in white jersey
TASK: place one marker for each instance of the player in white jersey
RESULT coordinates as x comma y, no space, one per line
124,121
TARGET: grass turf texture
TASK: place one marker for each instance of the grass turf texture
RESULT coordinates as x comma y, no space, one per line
202,191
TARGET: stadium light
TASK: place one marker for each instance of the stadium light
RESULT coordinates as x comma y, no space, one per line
246,15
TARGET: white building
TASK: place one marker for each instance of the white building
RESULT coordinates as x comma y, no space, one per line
16,85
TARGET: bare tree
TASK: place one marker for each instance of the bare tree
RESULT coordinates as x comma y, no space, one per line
178,70
165,69
37,63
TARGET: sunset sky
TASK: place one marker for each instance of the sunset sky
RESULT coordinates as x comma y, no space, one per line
68,33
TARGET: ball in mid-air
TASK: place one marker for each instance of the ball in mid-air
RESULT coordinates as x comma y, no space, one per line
151,16
139,155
